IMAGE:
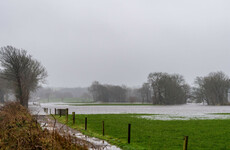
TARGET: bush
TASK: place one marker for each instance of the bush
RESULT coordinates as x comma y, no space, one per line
19,130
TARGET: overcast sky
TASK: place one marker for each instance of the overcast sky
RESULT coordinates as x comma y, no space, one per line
119,41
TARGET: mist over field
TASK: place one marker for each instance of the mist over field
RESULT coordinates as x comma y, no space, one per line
119,42
115,74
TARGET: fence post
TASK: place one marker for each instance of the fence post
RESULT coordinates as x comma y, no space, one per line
67,115
60,112
129,129
185,147
85,123
46,110
55,111
73,114
103,128
50,111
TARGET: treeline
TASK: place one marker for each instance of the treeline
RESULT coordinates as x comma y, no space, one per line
159,89
108,93
167,89
62,93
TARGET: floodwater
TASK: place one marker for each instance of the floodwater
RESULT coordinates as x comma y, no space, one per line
175,112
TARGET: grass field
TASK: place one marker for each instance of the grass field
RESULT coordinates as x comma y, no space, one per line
155,134
111,104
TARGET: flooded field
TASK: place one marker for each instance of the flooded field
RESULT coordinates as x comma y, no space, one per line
176,112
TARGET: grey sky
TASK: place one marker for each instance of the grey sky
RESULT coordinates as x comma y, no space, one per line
119,41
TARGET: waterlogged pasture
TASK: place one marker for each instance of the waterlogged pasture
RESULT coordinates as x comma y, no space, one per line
155,134
176,112
153,127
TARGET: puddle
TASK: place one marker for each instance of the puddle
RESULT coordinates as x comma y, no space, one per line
185,117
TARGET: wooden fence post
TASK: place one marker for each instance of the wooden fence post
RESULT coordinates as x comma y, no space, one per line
46,110
73,114
85,123
185,147
60,112
129,129
55,111
103,128
67,115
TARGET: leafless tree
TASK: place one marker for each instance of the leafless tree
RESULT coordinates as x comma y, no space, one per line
3,89
99,92
212,89
108,93
168,89
145,92
23,72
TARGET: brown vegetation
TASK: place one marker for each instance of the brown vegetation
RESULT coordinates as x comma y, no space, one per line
19,130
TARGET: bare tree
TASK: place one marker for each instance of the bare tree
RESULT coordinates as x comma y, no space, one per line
4,89
168,89
99,92
212,89
145,92
22,72
108,93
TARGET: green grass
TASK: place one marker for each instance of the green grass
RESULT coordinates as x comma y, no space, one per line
111,104
155,134
220,113
67,100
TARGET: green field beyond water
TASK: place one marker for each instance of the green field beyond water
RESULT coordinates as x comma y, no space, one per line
66,100
111,104
155,134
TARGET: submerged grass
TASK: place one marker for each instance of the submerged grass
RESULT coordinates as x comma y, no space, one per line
155,134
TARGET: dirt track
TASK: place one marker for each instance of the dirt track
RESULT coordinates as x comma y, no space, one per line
92,143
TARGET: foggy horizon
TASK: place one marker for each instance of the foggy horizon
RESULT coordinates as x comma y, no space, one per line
119,42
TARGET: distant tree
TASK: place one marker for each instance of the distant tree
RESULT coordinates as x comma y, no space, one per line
132,99
86,96
62,95
168,89
116,93
107,93
145,92
22,72
133,95
99,92
44,93
212,89
48,93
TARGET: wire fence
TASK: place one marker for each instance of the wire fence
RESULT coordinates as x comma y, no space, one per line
102,129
